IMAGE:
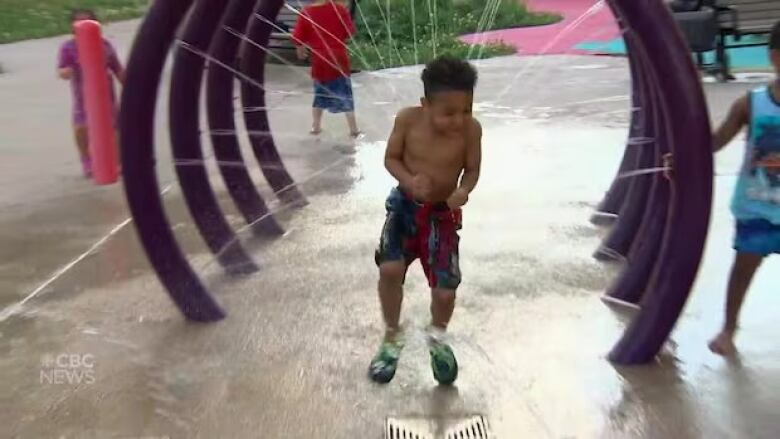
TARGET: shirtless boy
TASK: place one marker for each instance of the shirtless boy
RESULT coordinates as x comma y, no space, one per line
434,151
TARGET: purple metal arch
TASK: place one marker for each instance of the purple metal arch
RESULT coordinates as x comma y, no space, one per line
253,99
618,241
136,120
686,122
184,117
221,117
630,285
609,208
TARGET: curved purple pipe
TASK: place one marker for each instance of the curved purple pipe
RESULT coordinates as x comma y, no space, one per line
184,115
685,114
221,116
253,97
630,285
139,96
617,243
609,208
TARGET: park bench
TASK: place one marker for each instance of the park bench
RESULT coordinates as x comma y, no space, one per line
699,25
740,18
723,24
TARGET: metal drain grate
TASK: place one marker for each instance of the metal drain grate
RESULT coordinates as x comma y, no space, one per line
475,427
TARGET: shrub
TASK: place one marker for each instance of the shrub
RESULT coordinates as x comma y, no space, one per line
25,19
388,29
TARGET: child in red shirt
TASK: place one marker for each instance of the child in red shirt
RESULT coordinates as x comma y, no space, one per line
324,28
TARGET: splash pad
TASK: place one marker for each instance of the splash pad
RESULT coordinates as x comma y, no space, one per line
659,227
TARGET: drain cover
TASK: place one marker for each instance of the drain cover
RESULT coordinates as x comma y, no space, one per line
474,427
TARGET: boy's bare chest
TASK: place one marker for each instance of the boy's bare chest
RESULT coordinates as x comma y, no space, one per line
435,150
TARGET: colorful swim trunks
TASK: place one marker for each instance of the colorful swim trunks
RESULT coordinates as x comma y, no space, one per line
757,236
427,231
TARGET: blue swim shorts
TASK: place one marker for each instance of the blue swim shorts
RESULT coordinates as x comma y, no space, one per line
757,236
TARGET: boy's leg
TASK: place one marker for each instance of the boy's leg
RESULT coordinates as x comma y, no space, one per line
81,136
316,126
383,365
443,361
392,262
745,266
354,131
443,274
391,295
442,307
82,141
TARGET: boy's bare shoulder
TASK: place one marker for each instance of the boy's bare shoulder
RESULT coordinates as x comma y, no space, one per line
475,128
740,109
408,115
743,103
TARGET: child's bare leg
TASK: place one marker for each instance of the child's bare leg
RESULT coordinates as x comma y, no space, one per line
442,307
82,144
391,278
745,266
443,361
391,294
352,122
316,126
82,141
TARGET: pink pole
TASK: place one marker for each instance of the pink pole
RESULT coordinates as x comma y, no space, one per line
97,101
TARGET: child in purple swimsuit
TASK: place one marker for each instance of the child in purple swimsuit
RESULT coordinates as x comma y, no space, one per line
68,68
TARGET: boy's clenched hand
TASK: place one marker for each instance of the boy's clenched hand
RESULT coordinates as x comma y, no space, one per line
458,199
421,187
301,52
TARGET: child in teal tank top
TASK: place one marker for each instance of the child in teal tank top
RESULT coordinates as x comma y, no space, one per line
756,201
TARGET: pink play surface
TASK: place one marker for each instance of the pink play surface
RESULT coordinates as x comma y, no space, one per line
584,20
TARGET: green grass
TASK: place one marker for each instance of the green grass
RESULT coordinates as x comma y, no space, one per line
27,19
510,14
400,32
367,56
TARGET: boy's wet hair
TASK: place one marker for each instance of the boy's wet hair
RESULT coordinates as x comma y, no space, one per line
774,40
447,73
86,12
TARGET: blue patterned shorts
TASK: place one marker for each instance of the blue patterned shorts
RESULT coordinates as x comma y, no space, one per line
334,96
428,232
757,236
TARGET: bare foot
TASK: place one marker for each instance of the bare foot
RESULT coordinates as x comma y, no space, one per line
315,131
356,134
723,344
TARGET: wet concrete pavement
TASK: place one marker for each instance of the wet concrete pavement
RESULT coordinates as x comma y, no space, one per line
290,359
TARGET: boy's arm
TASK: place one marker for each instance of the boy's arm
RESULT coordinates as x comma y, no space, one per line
473,159
65,73
300,35
65,63
738,117
470,177
115,65
395,151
